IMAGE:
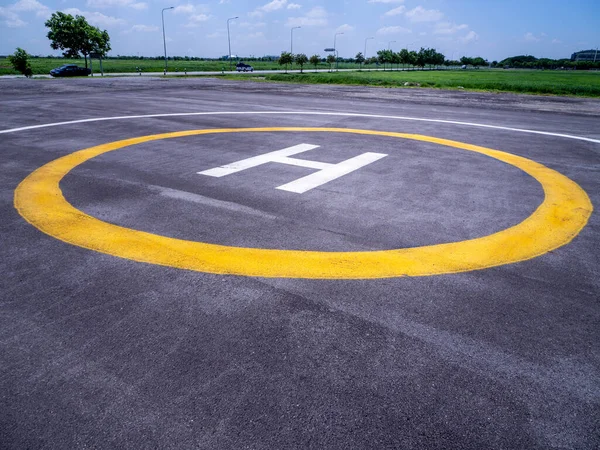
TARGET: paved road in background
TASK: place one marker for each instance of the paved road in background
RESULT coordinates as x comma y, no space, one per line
104,351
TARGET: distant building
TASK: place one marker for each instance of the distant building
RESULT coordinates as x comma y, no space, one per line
586,55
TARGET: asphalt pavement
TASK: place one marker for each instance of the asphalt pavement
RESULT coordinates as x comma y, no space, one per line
147,303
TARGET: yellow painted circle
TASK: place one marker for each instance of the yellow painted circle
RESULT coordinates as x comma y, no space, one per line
564,212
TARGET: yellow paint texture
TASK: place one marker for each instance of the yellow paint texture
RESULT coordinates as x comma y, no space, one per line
564,212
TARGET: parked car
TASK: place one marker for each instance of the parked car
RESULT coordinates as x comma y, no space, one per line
241,67
70,70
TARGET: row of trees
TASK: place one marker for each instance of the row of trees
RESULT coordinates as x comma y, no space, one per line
531,62
424,57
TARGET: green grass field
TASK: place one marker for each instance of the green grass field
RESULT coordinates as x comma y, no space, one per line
576,83
495,80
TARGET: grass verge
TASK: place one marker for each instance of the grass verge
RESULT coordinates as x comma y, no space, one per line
586,84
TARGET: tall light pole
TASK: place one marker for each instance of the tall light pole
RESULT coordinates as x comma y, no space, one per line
335,48
229,39
365,52
390,44
162,13
292,39
292,44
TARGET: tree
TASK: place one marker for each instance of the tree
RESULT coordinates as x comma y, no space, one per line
75,36
404,58
301,59
285,58
465,61
384,56
412,58
479,61
330,60
395,59
315,60
359,58
20,62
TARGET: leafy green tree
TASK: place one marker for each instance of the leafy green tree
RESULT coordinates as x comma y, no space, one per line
315,60
20,61
286,58
75,36
479,61
422,58
395,59
404,57
384,57
359,58
412,58
330,60
301,59
466,61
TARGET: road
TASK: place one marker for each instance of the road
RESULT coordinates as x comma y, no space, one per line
410,269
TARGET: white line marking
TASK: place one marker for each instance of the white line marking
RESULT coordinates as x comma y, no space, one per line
303,163
276,156
328,174
376,116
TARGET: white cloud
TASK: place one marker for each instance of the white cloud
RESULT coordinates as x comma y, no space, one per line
196,19
420,14
31,6
393,30
252,25
344,28
96,18
470,37
273,6
448,28
12,19
116,4
386,1
189,8
144,28
315,17
530,37
395,11
258,34
294,6
556,41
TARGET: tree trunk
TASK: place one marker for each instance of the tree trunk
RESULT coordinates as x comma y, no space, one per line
85,57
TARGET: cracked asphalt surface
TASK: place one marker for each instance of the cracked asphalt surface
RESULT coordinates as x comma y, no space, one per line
98,351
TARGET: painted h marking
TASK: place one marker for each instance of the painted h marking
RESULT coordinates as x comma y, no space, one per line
326,171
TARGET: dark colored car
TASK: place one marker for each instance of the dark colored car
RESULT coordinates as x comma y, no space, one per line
241,67
70,70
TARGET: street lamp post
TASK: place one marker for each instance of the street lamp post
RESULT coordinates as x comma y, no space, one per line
292,39
365,52
390,44
229,40
335,48
292,44
162,13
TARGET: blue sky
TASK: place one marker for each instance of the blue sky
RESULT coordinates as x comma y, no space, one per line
492,29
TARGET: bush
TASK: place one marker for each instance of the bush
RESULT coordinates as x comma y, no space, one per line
20,62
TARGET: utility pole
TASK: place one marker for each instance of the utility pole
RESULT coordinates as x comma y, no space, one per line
336,53
162,13
292,44
229,40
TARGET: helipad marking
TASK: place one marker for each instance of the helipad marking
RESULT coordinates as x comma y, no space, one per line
327,172
561,216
